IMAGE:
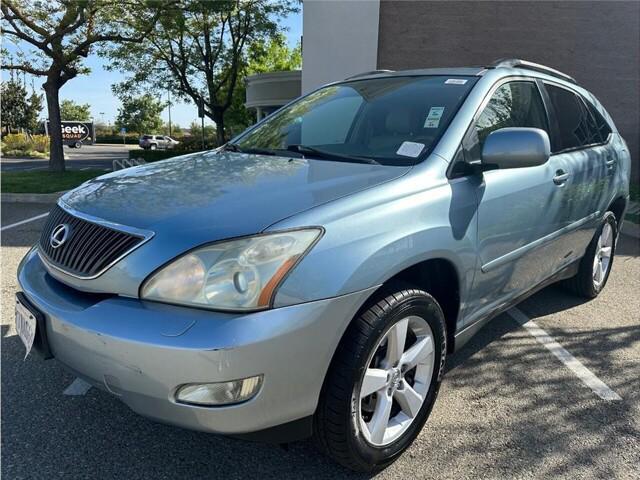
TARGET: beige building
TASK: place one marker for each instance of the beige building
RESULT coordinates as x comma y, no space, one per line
598,43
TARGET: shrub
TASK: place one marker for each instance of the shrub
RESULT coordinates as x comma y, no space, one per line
21,144
129,139
194,144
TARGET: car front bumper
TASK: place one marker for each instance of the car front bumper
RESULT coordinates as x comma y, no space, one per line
142,351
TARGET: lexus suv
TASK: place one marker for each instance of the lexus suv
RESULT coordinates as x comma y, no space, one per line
310,277
153,142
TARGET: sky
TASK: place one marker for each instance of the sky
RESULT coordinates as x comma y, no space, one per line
95,88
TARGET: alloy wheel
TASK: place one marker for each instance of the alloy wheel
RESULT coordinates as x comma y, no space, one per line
602,258
396,381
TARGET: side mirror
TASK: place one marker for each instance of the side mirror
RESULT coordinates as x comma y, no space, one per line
516,147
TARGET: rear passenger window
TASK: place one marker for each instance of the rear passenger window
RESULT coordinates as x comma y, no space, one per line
601,124
514,104
577,128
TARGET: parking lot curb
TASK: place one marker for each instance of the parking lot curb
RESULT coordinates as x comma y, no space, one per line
31,197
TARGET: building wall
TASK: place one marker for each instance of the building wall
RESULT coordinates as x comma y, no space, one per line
598,43
340,38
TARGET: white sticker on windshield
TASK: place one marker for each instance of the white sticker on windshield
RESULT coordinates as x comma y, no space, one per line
433,119
455,81
410,149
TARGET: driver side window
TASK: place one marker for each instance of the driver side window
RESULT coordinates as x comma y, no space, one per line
514,104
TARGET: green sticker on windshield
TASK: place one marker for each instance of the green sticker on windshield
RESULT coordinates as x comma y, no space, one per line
433,119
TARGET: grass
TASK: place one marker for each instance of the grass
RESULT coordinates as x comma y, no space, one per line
45,182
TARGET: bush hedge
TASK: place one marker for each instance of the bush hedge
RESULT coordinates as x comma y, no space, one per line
129,139
23,145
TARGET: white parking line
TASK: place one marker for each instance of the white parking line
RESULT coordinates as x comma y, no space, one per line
572,363
22,222
77,387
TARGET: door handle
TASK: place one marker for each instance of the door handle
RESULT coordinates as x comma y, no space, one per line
610,162
561,177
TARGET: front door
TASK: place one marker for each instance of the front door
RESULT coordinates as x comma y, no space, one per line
519,209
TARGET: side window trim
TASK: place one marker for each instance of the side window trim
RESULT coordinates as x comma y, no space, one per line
556,132
451,172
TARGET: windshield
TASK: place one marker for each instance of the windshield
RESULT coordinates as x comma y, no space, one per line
391,120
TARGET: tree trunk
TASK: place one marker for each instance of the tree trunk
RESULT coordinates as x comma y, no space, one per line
56,152
218,117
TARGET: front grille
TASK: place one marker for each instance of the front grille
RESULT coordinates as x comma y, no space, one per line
89,248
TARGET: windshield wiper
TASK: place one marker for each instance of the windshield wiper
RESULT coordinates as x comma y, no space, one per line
306,150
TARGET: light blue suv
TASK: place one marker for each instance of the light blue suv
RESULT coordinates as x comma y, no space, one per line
310,277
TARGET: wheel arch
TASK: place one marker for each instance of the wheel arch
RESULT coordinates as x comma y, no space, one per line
618,207
437,276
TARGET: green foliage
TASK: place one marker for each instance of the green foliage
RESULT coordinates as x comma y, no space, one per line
23,145
200,50
117,139
45,182
70,110
273,55
140,114
195,128
193,143
55,36
19,109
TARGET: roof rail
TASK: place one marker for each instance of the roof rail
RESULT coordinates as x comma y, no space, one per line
371,72
517,62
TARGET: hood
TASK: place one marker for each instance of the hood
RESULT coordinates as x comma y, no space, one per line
221,195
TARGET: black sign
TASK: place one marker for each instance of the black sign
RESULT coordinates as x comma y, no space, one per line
76,132
200,108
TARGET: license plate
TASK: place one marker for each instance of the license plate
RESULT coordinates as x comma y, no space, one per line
25,325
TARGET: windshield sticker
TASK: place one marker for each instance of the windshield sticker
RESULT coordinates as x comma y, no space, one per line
455,81
433,119
410,149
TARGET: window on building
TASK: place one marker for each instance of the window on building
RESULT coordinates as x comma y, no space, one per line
577,128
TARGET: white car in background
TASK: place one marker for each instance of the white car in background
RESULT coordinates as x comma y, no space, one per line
155,142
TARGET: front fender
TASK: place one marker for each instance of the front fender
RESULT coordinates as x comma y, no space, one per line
374,235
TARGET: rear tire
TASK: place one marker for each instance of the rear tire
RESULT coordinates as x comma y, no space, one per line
589,281
345,424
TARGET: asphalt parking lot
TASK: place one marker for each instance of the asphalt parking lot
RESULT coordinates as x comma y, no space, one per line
88,157
508,406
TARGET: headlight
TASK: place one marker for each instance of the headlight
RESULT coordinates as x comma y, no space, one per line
238,274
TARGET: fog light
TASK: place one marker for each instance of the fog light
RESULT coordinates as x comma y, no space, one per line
223,393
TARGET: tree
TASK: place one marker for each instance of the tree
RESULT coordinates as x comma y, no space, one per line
273,55
201,47
19,109
70,110
140,114
61,33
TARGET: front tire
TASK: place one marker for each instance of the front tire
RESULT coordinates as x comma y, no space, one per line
383,381
595,265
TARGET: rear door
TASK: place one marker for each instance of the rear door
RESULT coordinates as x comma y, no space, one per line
578,142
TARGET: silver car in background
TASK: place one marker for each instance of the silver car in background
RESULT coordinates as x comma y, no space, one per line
154,142
311,277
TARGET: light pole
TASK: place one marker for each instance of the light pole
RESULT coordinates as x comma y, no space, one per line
169,97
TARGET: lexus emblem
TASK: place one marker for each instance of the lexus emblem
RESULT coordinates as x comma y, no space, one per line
59,235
